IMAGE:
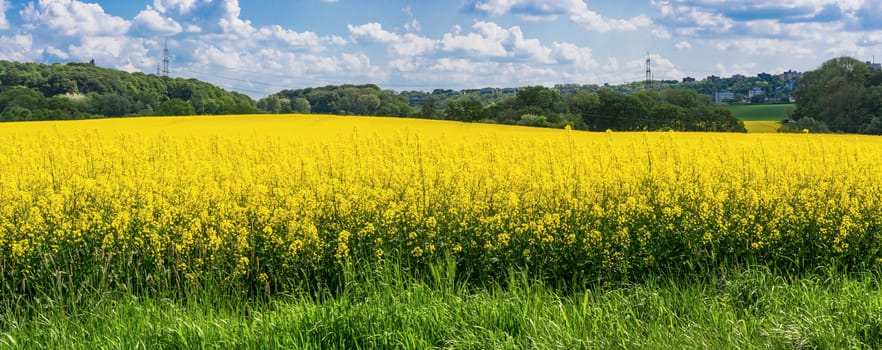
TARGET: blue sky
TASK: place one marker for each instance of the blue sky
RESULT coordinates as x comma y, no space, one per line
260,47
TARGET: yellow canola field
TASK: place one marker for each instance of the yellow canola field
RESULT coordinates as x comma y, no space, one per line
273,201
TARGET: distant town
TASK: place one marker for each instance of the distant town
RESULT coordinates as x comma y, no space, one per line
737,89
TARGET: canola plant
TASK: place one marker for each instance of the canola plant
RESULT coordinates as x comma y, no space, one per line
273,202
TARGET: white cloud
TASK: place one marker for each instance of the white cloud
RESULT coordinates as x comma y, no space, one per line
289,37
182,6
530,48
125,53
766,47
486,40
683,45
154,21
596,22
577,10
747,69
212,55
408,44
18,47
230,21
74,18
54,51
356,62
4,23
661,33
335,40
581,58
374,32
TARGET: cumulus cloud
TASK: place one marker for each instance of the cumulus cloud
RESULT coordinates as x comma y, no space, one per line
125,53
408,44
18,47
779,31
576,10
4,23
153,20
488,39
182,7
74,18
581,58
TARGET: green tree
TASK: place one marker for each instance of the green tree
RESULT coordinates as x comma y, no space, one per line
548,101
15,113
21,97
617,111
427,108
834,94
174,107
300,105
270,104
466,110
367,104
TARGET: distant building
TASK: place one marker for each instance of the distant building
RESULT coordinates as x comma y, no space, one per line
713,78
790,75
688,79
488,91
756,91
738,77
415,100
764,76
873,65
722,96
509,91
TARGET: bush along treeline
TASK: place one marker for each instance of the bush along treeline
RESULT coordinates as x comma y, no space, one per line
843,95
672,109
33,91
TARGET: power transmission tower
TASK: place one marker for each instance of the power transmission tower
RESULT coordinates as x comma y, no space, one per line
165,59
648,71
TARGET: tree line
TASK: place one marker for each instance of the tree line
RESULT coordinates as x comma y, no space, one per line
672,109
842,95
33,91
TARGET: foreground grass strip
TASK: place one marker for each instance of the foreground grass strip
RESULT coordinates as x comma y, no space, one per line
750,309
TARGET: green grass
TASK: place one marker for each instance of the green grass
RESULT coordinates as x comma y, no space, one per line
761,112
751,308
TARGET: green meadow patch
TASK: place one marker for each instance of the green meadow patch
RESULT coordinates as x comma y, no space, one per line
761,112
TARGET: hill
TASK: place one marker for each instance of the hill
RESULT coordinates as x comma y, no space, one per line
33,91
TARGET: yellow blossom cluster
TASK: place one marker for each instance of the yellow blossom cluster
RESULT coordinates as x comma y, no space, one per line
274,199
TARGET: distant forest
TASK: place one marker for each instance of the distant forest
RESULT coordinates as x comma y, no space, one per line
32,91
843,95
